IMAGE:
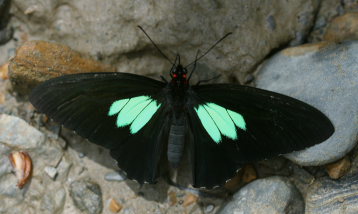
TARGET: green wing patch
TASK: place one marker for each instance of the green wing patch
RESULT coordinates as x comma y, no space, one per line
219,121
135,111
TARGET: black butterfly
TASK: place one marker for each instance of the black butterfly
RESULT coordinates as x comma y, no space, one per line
139,119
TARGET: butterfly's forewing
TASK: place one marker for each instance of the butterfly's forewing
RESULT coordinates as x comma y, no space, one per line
273,124
82,102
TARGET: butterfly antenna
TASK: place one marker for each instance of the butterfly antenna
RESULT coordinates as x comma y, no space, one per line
198,58
194,67
155,45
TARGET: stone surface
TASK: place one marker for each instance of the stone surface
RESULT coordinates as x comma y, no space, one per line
108,30
37,61
114,176
51,171
270,195
327,11
15,132
325,76
333,196
87,196
342,28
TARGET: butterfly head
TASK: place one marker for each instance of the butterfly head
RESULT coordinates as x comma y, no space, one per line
179,75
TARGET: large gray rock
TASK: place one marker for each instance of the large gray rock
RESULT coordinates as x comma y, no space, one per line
108,29
274,195
333,196
325,76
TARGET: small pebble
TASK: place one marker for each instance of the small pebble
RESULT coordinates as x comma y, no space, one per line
114,176
114,206
339,168
172,198
190,199
209,208
4,71
249,174
87,196
51,172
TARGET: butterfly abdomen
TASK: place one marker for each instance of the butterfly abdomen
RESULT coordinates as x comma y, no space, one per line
176,141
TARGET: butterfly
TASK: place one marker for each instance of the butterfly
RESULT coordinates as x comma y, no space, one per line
142,120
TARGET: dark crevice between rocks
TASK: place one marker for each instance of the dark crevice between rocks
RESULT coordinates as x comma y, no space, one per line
6,31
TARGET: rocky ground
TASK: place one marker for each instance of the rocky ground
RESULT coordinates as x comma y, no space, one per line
304,49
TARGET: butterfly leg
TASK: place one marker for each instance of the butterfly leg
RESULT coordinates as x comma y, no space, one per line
208,80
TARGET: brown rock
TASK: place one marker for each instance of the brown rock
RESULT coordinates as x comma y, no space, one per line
306,48
235,182
4,71
190,199
172,198
38,61
114,206
338,169
249,174
342,28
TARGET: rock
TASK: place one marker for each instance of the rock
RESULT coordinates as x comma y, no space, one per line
339,168
53,201
109,30
342,28
325,76
51,172
37,61
270,195
327,11
209,208
190,199
16,132
249,174
114,176
87,196
4,71
114,206
333,196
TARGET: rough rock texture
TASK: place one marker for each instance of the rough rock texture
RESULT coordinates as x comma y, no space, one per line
37,61
325,76
87,196
17,132
107,29
15,135
270,195
334,197
342,28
